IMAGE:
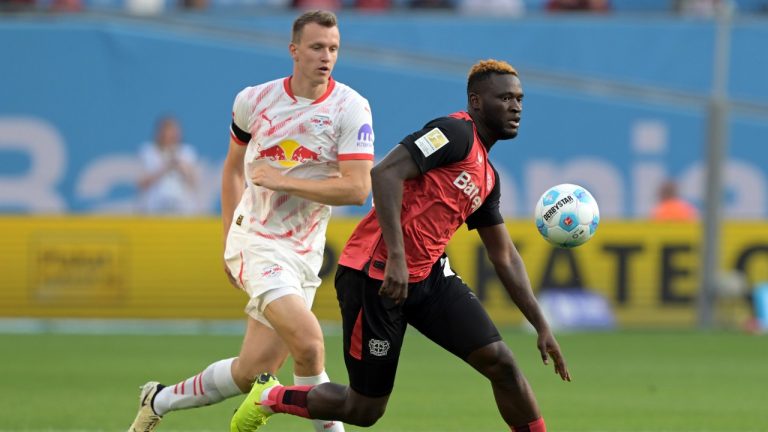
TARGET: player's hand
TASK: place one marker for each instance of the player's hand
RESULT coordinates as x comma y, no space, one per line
550,349
264,175
395,283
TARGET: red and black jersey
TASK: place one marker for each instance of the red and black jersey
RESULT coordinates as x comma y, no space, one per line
458,184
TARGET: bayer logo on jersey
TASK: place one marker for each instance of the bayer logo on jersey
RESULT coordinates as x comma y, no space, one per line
567,215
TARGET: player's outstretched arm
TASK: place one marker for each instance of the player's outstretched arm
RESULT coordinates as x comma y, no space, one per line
351,187
511,270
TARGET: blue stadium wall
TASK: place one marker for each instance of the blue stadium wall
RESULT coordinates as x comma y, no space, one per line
616,104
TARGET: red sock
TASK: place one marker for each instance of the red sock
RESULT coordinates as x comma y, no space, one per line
289,400
534,426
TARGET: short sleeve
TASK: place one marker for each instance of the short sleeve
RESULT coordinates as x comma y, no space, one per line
356,133
441,142
239,130
489,213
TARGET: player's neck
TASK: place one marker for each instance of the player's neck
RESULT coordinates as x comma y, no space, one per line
486,138
307,89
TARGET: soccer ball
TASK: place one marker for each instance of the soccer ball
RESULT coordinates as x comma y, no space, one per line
567,215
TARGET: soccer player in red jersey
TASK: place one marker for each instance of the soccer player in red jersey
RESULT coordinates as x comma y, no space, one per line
393,271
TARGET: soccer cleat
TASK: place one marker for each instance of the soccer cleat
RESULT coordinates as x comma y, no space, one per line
146,419
252,415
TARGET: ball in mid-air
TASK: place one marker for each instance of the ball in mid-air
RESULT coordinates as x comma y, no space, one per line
567,215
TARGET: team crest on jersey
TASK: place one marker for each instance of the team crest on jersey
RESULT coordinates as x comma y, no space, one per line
271,271
320,122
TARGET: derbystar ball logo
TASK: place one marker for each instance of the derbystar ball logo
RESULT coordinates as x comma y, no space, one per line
289,153
365,136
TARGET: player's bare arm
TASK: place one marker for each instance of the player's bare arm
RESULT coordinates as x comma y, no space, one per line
388,177
350,188
511,270
232,188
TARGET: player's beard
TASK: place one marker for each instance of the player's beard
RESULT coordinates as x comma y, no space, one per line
502,128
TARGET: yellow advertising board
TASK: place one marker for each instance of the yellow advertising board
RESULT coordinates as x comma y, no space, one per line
134,267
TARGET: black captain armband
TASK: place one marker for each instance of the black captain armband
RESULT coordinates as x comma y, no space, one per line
240,134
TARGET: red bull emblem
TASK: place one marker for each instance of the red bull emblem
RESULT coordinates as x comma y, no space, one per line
289,153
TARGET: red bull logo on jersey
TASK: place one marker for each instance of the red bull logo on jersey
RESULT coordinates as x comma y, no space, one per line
289,153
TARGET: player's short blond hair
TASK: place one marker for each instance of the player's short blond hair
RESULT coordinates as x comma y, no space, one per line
483,69
320,17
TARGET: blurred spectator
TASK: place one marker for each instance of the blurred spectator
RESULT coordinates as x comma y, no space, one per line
671,207
145,7
578,5
194,4
16,5
66,5
492,7
316,4
373,5
168,182
706,8
431,4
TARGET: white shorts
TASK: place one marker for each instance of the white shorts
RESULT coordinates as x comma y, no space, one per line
267,271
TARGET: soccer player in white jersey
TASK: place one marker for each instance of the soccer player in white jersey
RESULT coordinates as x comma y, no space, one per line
298,146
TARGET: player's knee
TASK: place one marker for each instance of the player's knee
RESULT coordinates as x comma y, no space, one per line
309,353
495,361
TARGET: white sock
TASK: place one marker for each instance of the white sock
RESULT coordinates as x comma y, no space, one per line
210,386
320,425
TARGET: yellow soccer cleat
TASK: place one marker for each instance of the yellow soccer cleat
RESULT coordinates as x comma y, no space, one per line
252,415
146,419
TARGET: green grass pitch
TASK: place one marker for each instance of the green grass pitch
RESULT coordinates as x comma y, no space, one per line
628,381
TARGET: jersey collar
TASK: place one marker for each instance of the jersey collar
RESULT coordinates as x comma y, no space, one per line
287,87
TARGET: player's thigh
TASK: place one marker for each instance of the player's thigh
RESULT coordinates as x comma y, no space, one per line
262,351
452,316
296,325
374,328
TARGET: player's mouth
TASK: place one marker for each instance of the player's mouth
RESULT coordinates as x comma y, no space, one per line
515,123
324,69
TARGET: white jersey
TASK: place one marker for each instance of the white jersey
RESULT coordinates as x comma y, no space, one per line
304,139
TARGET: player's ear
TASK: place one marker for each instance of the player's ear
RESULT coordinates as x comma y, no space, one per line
474,101
292,48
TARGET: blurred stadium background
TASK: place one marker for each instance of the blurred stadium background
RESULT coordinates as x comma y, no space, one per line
616,101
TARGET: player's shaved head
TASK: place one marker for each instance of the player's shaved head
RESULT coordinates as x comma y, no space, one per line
484,69
319,17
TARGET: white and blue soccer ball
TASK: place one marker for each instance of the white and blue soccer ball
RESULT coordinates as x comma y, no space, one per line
567,215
